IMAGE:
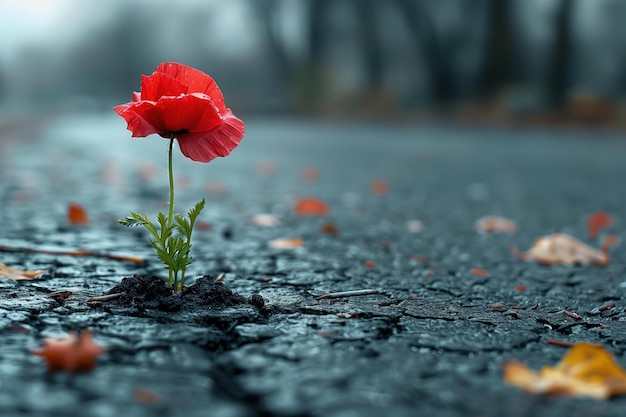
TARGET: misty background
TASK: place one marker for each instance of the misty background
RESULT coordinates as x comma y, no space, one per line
545,61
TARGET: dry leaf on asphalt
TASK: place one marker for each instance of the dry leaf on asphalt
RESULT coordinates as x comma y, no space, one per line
264,220
587,370
330,229
311,206
598,221
286,243
491,224
19,275
560,248
75,353
77,215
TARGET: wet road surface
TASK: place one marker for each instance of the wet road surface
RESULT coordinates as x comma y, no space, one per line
430,342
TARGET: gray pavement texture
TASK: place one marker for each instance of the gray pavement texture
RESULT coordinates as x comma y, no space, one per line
432,341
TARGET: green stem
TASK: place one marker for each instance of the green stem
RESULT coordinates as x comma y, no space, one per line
171,206
170,171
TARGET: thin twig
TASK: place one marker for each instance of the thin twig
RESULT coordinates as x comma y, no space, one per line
605,307
82,252
107,297
559,343
572,315
60,294
354,293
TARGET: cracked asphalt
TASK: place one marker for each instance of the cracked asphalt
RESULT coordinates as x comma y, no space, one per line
431,341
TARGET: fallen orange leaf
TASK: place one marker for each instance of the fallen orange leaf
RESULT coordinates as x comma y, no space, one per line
77,215
380,187
587,370
286,243
598,221
330,229
311,206
478,272
19,275
76,353
490,224
560,248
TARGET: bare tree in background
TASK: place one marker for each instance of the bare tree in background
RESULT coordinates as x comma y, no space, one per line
310,77
371,43
435,50
497,73
114,56
267,11
557,80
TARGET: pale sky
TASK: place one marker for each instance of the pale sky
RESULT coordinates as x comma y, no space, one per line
39,22
54,22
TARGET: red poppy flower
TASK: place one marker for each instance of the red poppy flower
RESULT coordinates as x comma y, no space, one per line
182,102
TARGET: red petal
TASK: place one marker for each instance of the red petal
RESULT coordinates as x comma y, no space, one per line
157,85
188,114
220,141
143,118
196,80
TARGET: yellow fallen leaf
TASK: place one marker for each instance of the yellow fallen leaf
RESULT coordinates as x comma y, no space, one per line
491,224
19,275
286,243
587,370
560,248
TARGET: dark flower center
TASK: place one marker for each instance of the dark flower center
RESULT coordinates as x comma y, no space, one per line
180,132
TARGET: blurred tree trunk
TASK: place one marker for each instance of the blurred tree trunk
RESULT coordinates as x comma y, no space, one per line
557,80
309,81
372,48
436,52
317,21
266,11
497,72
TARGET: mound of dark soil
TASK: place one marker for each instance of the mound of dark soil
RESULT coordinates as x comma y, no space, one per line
153,293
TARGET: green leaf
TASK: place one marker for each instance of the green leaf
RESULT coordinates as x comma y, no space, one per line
183,225
130,222
161,219
195,210
171,242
